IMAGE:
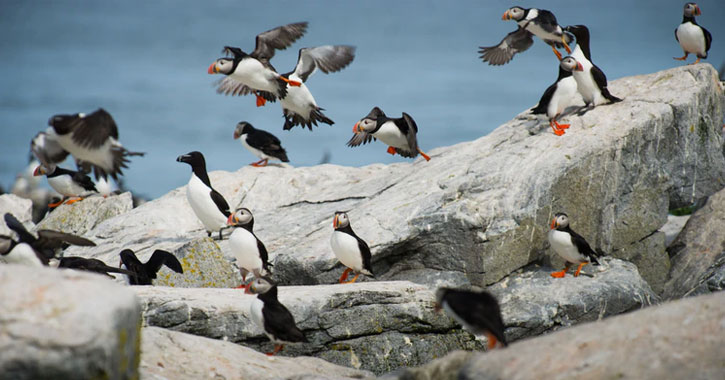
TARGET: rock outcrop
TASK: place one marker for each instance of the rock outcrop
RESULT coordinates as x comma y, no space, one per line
82,216
21,208
679,340
63,324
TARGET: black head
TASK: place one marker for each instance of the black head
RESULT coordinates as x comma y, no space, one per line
560,221
691,10
61,123
341,220
242,128
127,256
579,31
194,158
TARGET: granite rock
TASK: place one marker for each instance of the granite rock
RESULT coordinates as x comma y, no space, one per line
82,216
21,208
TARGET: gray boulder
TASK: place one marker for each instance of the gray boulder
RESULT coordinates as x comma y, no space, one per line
173,355
64,324
677,340
82,216
698,252
21,208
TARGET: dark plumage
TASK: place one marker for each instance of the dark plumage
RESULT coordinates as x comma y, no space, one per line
91,265
261,143
273,317
568,244
693,38
477,311
209,206
145,273
49,243
399,134
350,249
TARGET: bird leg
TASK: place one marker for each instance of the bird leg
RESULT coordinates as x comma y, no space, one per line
696,61
556,129
561,126
73,200
684,57
260,100
566,45
427,157
562,272
491,340
260,163
56,204
581,265
391,150
277,348
353,279
344,275
558,55
291,82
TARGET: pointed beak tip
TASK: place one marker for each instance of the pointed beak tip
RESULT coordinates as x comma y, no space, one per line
553,224
212,68
229,220
505,16
355,128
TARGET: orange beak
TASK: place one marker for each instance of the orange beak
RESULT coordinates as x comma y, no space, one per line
230,220
697,10
334,222
38,171
506,16
553,224
579,67
212,68
355,128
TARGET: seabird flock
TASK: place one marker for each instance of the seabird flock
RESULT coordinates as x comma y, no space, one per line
93,141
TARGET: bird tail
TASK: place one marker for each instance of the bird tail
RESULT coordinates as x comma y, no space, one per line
292,119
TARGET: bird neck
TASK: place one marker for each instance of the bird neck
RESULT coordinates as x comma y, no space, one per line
347,229
269,296
199,170
688,19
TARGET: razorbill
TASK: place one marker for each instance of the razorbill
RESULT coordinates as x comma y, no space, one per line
209,206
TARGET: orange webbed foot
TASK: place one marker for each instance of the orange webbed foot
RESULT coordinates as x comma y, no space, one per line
261,101
391,150
559,274
290,82
260,163
579,269
558,55
74,200
492,341
681,58
696,61
427,157
344,275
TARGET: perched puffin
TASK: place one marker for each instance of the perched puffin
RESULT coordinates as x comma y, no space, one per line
298,106
46,246
399,134
209,206
352,251
556,98
693,38
71,184
92,140
539,22
569,245
145,273
91,265
477,311
246,247
591,84
261,143
272,317
252,73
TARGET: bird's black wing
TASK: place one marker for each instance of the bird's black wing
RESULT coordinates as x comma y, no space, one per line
678,40
93,130
278,38
328,58
515,42
161,257
14,224
84,180
601,81
91,265
582,246
365,252
220,202
47,150
479,309
56,239
267,143
262,253
229,86
407,125
708,39
546,20
541,108
279,322
360,138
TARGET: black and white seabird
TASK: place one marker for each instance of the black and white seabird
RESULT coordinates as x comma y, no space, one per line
568,244
92,140
532,21
352,251
209,206
272,317
477,311
693,38
399,134
72,185
15,252
591,84
250,252
91,265
299,106
261,143
556,99
145,273
252,73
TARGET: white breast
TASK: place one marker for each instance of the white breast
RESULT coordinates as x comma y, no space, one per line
692,39
65,186
255,75
585,82
198,195
299,100
346,249
255,313
243,246
561,244
564,96
22,254
391,135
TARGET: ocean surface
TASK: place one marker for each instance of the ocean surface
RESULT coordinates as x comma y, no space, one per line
146,63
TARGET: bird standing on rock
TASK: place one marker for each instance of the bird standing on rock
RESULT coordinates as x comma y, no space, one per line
555,100
477,311
261,143
272,317
352,251
571,246
591,84
399,134
209,206
693,38
250,252
70,184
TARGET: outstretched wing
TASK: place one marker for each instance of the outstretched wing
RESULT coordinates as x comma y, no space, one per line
229,86
161,257
56,239
47,150
328,58
278,38
92,130
411,135
360,138
515,42
14,224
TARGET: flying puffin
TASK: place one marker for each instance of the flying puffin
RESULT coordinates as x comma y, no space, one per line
538,22
72,185
92,140
399,134
246,247
569,245
556,99
145,273
252,73
261,143
298,106
352,251
91,265
591,84
693,38
272,317
209,206
477,311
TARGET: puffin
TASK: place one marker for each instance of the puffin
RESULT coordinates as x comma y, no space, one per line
145,273
352,251
571,246
72,185
556,99
250,252
299,106
532,21
272,317
693,38
209,206
16,252
252,73
591,83
261,143
399,134
90,265
92,139
476,310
